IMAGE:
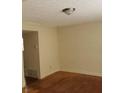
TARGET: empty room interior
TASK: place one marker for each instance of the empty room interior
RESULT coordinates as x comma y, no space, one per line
62,46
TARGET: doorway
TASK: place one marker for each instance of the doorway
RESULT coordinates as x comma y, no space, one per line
31,56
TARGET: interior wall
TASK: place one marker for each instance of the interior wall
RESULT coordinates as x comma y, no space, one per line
48,47
81,48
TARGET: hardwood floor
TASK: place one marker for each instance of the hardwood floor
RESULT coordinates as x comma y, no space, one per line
66,82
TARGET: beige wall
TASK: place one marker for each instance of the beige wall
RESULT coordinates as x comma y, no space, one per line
80,48
48,47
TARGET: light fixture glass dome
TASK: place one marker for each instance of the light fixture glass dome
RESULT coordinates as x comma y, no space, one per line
68,11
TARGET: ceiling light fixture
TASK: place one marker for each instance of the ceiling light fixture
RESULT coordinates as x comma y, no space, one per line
68,11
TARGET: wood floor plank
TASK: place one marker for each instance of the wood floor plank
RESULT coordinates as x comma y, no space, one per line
66,82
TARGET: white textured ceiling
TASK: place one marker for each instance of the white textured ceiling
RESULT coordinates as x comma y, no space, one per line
48,12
